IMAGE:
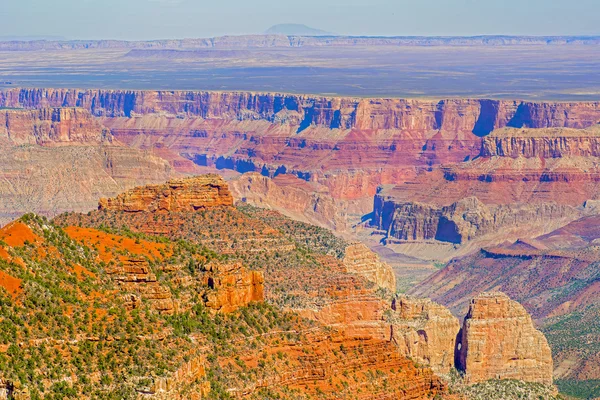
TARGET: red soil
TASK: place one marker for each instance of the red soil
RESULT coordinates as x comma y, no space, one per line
11,284
107,244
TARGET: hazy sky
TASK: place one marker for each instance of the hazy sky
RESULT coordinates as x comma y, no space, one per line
151,19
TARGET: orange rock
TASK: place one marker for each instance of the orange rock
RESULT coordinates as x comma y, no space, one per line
230,286
425,331
498,341
190,194
361,260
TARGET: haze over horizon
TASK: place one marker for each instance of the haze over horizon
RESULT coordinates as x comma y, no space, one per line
165,19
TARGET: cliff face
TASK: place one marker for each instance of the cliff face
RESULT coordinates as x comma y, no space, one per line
460,222
359,259
190,194
498,341
425,331
296,198
349,145
478,116
231,286
575,144
59,159
52,126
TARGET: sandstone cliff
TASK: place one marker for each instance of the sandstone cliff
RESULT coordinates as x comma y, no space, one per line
460,222
424,331
52,126
190,194
62,159
478,116
361,260
230,286
498,341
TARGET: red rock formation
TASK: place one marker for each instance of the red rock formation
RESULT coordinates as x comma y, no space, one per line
231,286
190,194
298,199
499,341
332,113
52,126
425,331
360,260
325,362
460,222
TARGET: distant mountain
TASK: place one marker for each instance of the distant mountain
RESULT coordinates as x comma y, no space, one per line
295,30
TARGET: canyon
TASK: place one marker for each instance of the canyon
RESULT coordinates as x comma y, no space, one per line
488,194
354,339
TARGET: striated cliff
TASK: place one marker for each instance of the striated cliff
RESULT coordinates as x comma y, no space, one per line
424,331
460,222
230,286
498,341
546,143
359,259
478,116
180,195
61,159
52,126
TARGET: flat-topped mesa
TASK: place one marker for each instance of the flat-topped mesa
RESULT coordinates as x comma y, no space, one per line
424,331
52,126
178,195
498,341
230,286
543,143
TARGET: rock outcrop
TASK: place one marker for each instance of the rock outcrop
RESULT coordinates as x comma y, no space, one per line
52,126
479,116
361,260
180,195
230,286
459,222
424,331
498,341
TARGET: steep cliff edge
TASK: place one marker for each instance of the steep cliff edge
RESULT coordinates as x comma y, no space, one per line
230,286
359,259
478,116
498,341
424,331
52,126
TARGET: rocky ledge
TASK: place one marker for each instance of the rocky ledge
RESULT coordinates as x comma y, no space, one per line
178,195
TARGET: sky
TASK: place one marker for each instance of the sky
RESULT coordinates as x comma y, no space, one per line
157,19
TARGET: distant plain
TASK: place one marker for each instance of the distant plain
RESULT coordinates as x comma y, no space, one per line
529,72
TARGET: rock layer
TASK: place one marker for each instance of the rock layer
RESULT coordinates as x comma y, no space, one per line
190,194
498,341
479,116
230,286
425,331
459,222
359,259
